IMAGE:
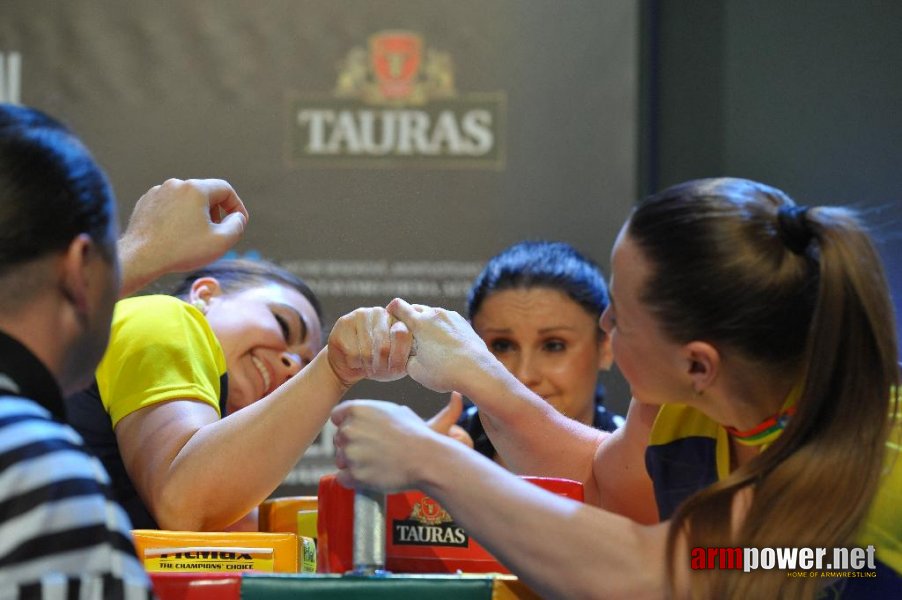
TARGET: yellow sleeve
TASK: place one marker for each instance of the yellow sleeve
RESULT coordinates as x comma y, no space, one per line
161,348
883,525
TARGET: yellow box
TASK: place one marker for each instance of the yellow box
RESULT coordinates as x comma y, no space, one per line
227,552
280,514
306,523
508,587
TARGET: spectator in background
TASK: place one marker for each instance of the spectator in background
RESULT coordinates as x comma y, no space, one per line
537,306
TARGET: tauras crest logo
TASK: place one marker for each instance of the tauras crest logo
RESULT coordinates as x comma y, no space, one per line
429,512
394,101
428,525
396,71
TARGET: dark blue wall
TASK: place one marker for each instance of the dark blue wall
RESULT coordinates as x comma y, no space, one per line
806,96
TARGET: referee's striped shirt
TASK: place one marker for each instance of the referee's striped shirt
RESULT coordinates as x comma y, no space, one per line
61,534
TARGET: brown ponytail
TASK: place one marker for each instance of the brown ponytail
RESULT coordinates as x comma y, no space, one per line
804,295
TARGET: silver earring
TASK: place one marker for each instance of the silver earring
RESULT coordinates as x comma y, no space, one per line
199,305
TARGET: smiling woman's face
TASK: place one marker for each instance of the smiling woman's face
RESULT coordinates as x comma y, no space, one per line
549,342
267,333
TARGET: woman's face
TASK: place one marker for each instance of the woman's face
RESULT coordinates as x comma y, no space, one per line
549,342
653,365
267,333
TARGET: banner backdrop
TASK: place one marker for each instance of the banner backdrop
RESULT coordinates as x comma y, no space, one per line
384,148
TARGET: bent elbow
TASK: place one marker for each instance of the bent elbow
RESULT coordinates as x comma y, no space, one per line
175,510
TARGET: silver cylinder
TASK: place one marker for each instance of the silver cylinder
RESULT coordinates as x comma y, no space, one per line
369,532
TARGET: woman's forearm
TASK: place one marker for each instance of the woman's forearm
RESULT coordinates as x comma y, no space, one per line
227,467
561,548
528,433
214,473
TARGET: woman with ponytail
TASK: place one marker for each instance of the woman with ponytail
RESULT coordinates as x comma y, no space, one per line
758,340
798,317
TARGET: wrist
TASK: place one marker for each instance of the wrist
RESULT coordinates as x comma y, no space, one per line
336,381
486,377
135,273
433,474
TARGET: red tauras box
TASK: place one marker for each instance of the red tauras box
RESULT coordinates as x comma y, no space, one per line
421,537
